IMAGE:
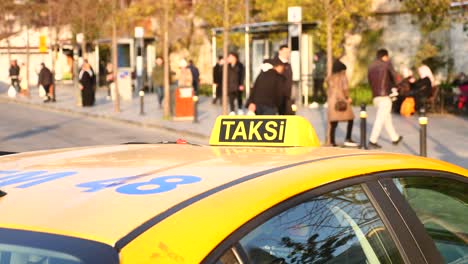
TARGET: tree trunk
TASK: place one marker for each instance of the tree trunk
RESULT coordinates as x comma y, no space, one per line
167,91
225,54
329,46
329,64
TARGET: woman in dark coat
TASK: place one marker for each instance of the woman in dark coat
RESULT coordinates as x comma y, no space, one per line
338,90
86,78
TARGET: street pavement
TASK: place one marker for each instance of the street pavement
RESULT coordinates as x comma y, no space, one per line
447,134
23,128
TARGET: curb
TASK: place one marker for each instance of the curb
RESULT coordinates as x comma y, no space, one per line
50,107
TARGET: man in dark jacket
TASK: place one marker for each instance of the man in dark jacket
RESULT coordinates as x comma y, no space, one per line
46,80
195,76
218,79
382,77
235,83
14,72
286,102
265,97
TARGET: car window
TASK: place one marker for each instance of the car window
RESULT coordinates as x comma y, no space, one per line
27,247
442,206
25,255
338,227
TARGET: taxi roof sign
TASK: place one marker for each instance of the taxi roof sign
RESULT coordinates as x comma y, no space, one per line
271,131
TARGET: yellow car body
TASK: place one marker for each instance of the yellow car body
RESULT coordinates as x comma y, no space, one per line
174,203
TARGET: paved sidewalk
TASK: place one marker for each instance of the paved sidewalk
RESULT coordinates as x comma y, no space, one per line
447,134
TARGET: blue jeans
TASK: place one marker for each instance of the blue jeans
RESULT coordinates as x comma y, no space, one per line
160,94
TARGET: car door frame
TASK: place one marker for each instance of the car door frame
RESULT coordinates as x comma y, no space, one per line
422,238
413,244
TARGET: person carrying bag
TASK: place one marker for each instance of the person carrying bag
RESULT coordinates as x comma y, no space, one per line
339,103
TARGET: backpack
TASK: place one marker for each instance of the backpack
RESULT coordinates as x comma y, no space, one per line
407,107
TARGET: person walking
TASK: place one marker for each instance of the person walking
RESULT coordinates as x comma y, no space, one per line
46,80
14,72
110,80
218,79
235,83
286,101
24,82
265,97
157,76
185,75
382,77
339,103
86,79
195,76
319,73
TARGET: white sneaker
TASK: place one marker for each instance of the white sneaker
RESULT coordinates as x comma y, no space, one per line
314,105
350,143
232,113
325,105
250,113
240,112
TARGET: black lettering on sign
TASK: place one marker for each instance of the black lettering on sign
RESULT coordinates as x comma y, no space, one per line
252,130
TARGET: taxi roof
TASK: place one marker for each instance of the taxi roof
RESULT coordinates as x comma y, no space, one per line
104,193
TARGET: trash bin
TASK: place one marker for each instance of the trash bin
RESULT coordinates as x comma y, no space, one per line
184,103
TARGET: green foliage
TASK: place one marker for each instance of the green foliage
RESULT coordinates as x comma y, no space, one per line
432,14
370,42
361,93
205,89
212,12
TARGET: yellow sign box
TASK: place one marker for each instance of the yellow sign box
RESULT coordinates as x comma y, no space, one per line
275,131
43,44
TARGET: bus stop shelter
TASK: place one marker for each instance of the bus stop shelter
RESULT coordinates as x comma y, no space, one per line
260,32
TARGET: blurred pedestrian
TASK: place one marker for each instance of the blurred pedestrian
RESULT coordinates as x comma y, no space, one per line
195,76
24,82
286,100
339,103
235,83
218,79
157,77
319,74
265,97
185,75
45,80
382,78
86,79
14,72
110,80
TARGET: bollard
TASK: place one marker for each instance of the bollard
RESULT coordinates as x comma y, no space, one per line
363,116
142,102
423,133
195,109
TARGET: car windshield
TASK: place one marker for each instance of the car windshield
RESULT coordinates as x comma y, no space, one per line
27,247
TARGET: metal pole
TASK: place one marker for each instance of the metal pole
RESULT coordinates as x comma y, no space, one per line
167,92
75,75
195,109
363,116
213,60
51,50
247,49
225,54
423,133
114,60
142,102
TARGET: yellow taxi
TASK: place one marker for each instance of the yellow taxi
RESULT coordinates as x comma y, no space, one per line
264,191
